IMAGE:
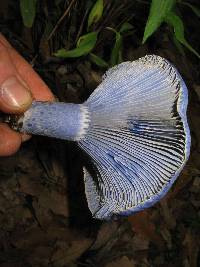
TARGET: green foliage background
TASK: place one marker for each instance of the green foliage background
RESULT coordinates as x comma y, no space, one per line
90,32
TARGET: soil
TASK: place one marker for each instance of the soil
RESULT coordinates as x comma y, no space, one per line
44,218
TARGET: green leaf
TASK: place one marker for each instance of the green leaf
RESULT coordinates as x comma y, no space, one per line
98,61
116,51
158,11
84,46
90,37
176,22
28,11
126,26
194,9
95,13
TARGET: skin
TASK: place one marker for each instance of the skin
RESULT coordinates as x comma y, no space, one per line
15,68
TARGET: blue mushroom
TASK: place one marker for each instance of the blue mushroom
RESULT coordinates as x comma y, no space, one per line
134,129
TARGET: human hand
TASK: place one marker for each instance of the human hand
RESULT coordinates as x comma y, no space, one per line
19,85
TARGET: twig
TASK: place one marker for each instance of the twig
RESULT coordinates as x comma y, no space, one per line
60,20
81,26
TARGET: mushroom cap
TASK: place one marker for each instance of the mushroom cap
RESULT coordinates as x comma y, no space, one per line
138,140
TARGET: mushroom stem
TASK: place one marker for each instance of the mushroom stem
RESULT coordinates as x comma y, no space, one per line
55,119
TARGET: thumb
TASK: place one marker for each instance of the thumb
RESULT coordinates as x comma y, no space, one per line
15,97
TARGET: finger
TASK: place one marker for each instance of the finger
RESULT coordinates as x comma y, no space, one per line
13,99
15,96
39,89
10,141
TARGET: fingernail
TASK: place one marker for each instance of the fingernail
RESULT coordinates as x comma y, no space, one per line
14,94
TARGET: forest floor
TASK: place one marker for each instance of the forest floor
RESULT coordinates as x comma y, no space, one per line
44,218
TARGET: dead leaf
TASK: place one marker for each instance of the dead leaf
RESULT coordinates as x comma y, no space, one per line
65,253
122,262
142,224
170,220
192,248
105,233
139,242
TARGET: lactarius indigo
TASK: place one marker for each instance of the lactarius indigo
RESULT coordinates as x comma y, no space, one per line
134,129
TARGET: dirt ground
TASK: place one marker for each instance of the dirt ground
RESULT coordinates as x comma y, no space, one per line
44,218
